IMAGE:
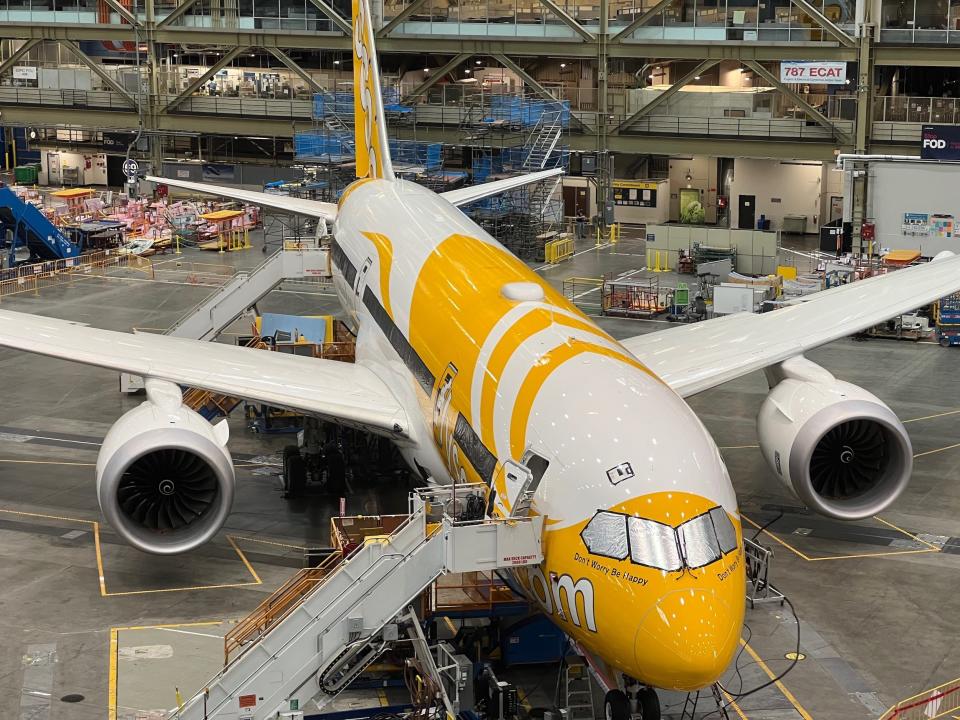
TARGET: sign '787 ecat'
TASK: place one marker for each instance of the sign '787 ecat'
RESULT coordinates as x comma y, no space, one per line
820,72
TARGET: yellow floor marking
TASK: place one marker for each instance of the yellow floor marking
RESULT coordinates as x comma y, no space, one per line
101,578
114,650
929,549
112,677
938,450
931,417
242,538
734,705
383,697
786,693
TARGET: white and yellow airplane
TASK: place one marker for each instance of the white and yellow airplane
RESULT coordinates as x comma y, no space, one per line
479,370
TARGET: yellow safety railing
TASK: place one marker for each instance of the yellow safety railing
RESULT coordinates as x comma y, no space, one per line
557,250
658,260
35,277
937,702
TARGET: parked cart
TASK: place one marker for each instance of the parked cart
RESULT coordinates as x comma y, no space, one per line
947,317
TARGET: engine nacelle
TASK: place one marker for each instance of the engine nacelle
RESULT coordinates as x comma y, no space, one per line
837,447
165,478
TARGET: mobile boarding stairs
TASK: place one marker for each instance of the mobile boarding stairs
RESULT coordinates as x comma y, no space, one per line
342,618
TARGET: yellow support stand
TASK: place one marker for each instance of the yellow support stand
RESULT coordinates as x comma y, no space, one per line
655,258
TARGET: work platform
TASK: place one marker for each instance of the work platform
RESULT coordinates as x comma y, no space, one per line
241,292
325,625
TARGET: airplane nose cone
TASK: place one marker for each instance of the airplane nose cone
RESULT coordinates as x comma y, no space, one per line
688,639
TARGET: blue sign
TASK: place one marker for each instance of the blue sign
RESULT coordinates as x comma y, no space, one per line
940,142
130,168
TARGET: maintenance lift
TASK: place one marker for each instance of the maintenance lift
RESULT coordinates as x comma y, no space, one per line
327,624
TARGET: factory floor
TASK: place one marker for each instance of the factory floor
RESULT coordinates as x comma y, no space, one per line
94,629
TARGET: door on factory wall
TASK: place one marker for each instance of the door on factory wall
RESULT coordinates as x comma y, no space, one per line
836,208
575,200
53,168
747,217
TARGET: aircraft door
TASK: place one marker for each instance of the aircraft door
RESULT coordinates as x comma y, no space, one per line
362,278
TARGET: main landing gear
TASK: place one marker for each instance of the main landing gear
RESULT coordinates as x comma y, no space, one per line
645,705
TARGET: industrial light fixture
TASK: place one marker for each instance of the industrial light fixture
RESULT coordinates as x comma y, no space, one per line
650,77
466,71
477,62
562,65
697,77
426,70
336,62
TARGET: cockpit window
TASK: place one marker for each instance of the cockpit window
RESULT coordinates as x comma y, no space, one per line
725,532
606,535
697,542
653,544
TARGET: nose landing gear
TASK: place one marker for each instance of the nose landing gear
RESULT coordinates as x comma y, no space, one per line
645,706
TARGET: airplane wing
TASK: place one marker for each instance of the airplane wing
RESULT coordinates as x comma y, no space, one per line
702,355
309,208
345,392
466,195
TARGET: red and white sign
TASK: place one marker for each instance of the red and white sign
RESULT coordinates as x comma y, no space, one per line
819,73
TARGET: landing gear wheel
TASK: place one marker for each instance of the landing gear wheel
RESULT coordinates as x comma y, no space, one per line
648,704
616,706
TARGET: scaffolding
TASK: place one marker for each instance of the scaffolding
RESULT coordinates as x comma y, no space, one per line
512,134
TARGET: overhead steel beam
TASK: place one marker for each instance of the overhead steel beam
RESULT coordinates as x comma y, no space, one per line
569,21
404,14
304,75
18,53
123,12
334,16
435,77
98,71
642,20
180,11
809,109
826,23
211,71
666,94
540,89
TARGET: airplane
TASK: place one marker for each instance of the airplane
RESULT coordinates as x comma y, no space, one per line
479,371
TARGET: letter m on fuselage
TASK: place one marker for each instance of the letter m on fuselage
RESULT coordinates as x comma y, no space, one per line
565,589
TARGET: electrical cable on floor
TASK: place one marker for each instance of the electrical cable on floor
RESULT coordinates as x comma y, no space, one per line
768,683
766,525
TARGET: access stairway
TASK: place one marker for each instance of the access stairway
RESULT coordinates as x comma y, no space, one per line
543,139
242,291
31,229
328,623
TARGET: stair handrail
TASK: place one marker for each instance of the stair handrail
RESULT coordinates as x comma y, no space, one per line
373,566
222,289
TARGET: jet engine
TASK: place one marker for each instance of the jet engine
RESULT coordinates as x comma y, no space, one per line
837,447
164,475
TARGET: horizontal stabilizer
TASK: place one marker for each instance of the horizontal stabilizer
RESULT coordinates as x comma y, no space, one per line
467,195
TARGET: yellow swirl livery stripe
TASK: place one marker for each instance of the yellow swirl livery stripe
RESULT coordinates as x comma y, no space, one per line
385,251
370,132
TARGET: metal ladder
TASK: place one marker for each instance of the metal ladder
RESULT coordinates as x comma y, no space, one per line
543,139
579,692
336,124
690,705
341,620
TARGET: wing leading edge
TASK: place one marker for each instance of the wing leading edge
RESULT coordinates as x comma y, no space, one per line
464,196
309,208
697,357
345,392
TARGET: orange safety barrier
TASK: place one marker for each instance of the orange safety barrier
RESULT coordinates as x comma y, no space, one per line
934,703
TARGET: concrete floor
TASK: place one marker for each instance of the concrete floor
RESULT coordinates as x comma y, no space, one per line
877,600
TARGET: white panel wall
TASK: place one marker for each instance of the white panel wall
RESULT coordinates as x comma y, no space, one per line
912,187
796,185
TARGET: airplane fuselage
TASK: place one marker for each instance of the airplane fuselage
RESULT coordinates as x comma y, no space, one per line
504,379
